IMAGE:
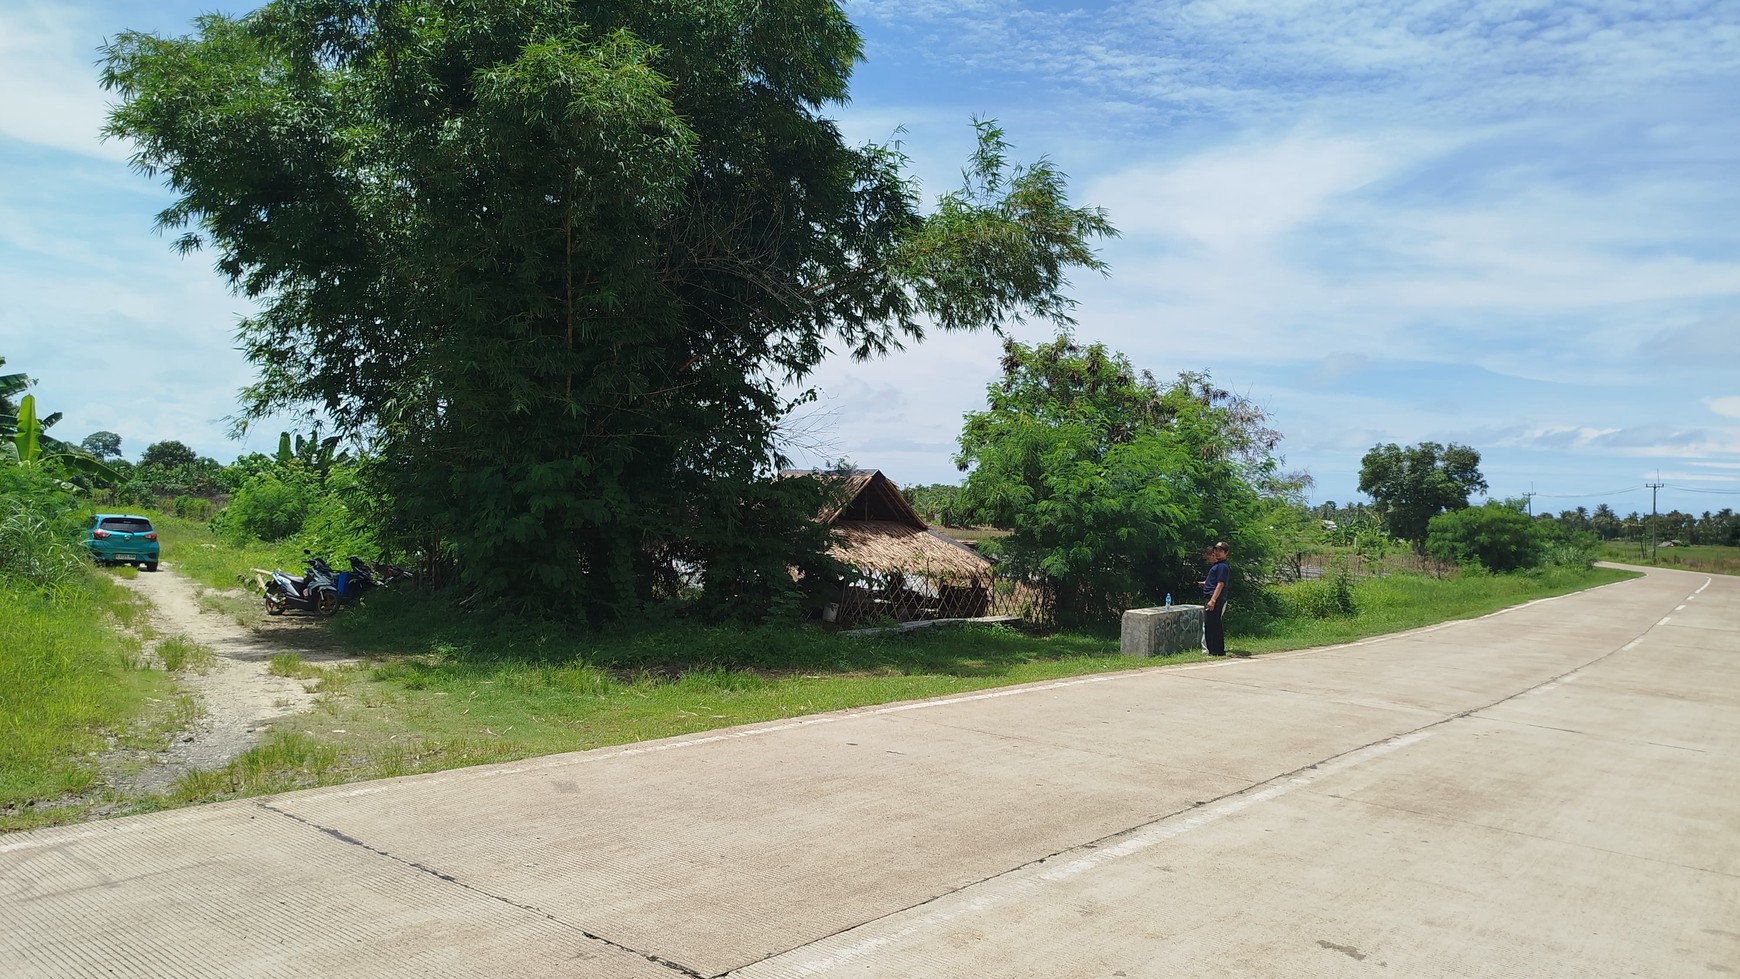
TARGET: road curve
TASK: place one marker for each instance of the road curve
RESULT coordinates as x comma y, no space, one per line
1553,790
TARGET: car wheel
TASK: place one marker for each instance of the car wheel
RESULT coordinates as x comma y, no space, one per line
150,565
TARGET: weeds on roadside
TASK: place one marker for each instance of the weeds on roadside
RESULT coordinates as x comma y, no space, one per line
34,551
67,680
180,653
285,760
291,665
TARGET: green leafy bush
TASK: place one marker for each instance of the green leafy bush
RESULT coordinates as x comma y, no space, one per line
1496,537
33,549
339,520
1567,546
192,507
1318,598
268,507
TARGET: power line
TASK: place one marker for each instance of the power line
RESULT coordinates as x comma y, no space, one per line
1587,496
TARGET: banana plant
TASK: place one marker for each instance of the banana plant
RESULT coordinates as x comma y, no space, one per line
317,453
31,446
11,386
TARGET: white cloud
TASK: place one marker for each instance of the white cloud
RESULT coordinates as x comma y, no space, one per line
1728,406
1244,196
48,71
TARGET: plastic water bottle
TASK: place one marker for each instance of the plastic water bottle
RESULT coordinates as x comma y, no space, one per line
1168,599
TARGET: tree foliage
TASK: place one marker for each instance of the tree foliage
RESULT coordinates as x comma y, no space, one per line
168,454
939,503
557,262
1111,483
1412,485
1497,537
102,445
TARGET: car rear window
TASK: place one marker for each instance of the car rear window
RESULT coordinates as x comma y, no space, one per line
126,525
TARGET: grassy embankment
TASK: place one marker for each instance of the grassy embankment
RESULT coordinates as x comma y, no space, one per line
438,689
69,683
1708,558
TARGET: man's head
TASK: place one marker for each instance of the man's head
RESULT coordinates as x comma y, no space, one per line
1221,550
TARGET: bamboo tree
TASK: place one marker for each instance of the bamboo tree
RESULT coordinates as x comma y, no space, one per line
559,262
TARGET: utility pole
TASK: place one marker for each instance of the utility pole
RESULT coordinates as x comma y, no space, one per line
1530,498
1652,488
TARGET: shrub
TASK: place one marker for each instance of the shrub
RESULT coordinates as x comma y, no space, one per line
1567,547
1496,537
135,494
338,521
32,549
192,507
1319,598
267,507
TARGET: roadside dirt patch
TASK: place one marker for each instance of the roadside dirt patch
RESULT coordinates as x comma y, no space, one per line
238,697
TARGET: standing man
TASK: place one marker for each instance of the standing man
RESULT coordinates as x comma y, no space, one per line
1214,599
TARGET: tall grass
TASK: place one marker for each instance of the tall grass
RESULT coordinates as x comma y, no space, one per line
33,550
1398,602
66,679
197,553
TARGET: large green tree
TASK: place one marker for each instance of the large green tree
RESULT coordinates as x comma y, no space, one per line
1112,483
102,445
1412,485
557,261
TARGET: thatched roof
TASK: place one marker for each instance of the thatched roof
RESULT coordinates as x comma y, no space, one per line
888,545
877,530
868,495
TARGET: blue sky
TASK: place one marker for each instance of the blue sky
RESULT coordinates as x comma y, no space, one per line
1511,225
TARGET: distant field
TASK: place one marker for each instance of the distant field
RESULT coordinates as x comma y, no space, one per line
970,533
1709,558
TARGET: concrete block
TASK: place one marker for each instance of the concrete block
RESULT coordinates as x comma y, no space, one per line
1161,631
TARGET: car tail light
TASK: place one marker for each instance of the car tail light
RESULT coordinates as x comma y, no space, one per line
151,536
100,534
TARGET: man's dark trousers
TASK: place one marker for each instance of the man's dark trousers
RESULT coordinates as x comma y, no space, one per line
1213,634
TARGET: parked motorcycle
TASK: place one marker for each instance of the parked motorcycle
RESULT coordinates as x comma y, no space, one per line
379,572
316,591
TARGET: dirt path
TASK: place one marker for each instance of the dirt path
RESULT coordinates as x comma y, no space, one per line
238,697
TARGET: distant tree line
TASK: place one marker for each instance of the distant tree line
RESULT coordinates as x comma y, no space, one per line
1719,527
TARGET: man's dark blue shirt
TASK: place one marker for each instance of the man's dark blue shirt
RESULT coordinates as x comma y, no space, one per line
1216,575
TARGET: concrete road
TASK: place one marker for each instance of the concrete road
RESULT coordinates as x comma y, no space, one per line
1550,791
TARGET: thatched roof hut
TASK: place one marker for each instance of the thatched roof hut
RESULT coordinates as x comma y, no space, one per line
911,572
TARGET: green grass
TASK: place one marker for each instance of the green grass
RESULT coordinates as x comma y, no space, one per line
471,690
198,553
439,688
291,665
180,653
67,679
1398,602
1708,558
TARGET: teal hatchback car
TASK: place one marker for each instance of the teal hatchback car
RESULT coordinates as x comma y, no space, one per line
121,538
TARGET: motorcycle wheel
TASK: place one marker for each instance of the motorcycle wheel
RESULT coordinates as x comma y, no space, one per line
274,604
328,603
